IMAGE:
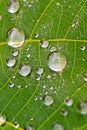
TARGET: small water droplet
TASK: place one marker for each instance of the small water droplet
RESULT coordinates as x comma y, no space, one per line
10,62
2,119
15,38
39,70
56,61
13,6
19,86
48,76
28,55
82,48
57,126
48,100
44,43
82,107
28,127
37,77
16,124
85,77
11,84
53,48
15,52
68,101
36,35
64,112
24,69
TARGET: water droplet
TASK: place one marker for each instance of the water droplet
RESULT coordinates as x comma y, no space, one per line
57,126
36,35
82,48
39,70
56,61
52,49
24,69
68,101
85,77
16,124
29,128
48,100
82,107
48,76
15,52
10,62
11,84
64,112
37,77
44,43
15,38
13,6
19,86
28,55
2,119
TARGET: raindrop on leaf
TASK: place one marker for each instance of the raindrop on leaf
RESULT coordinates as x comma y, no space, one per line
15,37
57,126
44,43
2,119
56,61
48,100
24,69
10,62
13,6
82,107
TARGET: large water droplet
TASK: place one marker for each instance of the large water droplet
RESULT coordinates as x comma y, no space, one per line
2,119
15,52
39,70
24,69
44,43
56,61
13,6
28,127
57,126
68,101
15,38
48,100
10,62
82,107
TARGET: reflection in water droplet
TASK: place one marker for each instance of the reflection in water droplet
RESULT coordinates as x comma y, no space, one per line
39,70
44,44
24,69
11,84
64,112
85,77
29,128
15,38
82,107
2,119
68,101
56,61
57,126
53,48
48,100
10,62
15,52
16,124
13,6
82,48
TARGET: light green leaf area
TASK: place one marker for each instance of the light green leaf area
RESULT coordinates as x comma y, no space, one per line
64,24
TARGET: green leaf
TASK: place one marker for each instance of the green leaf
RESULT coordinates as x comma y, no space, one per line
63,23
